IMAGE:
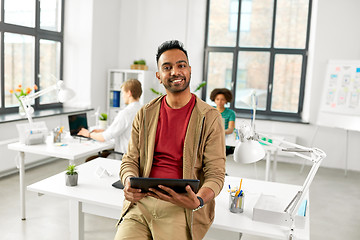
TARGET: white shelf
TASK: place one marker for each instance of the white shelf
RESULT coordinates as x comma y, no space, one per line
116,77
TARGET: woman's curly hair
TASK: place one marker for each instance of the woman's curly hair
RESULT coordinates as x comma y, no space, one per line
226,92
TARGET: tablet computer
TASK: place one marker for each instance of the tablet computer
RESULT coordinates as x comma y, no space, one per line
118,184
178,185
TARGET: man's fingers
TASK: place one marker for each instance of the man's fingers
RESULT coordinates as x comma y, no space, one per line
189,190
167,189
133,190
134,197
160,194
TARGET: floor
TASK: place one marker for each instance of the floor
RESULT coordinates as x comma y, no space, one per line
335,204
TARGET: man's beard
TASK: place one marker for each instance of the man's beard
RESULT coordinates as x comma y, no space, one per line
173,88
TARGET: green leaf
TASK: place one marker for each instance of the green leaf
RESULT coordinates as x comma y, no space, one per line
103,117
156,92
200,86
71,170
141,62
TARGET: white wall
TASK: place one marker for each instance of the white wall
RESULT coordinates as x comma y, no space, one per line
144,25
91,48
104,49
77,50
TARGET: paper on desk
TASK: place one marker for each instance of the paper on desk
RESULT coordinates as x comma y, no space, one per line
102,172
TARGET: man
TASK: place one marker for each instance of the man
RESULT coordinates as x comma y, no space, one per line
120,128
174,136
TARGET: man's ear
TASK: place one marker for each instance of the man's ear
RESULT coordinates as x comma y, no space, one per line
158,77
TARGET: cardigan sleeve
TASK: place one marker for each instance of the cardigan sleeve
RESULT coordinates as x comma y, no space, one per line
214,156
130,161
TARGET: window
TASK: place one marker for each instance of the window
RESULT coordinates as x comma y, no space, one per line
31,49
264,48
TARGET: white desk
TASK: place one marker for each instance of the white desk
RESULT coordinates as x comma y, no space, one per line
73,150
269,151
96,196
243,222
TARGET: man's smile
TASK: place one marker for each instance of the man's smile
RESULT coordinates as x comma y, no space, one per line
176,79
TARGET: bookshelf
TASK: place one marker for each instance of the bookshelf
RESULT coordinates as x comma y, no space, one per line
116,77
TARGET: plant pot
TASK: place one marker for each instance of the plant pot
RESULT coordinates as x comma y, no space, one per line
71,180
102,124
139,67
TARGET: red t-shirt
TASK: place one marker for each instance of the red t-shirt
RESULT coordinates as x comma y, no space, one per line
169,141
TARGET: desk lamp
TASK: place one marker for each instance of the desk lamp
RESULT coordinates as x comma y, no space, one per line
34,133
249,150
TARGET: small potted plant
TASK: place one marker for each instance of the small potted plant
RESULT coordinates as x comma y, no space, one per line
103,121
139,64
71,176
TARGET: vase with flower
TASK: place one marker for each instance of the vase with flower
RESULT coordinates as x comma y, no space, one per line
20,91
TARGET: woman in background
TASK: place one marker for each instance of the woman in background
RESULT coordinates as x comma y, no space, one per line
221,96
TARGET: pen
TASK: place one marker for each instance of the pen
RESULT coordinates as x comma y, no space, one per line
238,191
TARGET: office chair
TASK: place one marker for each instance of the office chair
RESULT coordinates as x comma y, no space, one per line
105,154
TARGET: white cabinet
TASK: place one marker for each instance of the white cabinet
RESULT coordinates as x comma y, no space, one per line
116,77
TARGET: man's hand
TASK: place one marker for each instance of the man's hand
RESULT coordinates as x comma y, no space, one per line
98,130
185,200
84,132
132,194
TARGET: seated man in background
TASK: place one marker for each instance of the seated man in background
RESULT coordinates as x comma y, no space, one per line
120,128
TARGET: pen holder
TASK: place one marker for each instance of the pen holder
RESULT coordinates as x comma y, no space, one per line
56,136
236,203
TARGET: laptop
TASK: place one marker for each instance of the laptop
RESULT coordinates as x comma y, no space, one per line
76,123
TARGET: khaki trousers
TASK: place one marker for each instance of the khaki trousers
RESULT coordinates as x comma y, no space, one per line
153,218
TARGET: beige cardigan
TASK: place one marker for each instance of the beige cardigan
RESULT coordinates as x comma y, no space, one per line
203,156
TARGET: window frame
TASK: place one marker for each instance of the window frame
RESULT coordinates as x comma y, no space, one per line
38,34
267,113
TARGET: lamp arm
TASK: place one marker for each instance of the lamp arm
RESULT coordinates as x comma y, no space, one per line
26,106
44,91
295,204
294,148
316,157
253,99
25,100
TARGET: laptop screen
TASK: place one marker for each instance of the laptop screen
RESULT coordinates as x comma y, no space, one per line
76,122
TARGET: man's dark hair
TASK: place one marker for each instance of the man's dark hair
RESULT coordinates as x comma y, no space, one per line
168,45
226,92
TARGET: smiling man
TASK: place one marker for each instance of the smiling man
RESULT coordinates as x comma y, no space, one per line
174,136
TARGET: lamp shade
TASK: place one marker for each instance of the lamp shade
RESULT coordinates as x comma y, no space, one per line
248,98
248,152
64,93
